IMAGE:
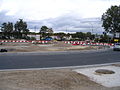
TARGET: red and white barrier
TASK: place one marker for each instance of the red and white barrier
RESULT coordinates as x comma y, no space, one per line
66,42
23,41
84,43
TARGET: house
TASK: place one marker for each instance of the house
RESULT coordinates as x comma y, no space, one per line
36,36
57,37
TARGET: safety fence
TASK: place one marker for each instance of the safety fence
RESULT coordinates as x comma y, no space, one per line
24,41
86,43
66,42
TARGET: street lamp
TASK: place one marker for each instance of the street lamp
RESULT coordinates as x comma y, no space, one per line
91,27
35,31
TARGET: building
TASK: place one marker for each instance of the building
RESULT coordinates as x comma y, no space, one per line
36,36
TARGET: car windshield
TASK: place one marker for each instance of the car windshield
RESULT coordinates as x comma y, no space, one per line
117,44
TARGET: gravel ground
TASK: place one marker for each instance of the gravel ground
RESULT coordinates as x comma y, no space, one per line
59,46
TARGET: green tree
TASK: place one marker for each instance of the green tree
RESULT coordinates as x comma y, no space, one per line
43,29
60,35
4,30
49,32
79,35
111,20
88,35
104,38
21,30
7,29
45,32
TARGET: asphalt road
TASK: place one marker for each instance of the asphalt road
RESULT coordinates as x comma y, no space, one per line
57,59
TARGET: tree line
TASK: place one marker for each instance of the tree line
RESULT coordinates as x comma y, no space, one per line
80,36
47,32
18,30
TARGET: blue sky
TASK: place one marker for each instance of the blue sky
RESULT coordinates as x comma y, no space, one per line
61,15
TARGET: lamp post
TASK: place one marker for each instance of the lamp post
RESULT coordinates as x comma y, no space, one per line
1,31
35,31
91,27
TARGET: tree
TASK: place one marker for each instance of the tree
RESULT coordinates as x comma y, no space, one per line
21,30
49,32
45,32
111,20
60,35
79,35
4,29
7,29
43,29
88,35
104,38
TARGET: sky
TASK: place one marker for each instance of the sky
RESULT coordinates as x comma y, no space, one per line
61,15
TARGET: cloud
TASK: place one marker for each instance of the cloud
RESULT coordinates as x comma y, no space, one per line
70,23
45,9
65,23
6,18
61,15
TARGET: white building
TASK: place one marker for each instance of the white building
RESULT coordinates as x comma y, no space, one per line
36,36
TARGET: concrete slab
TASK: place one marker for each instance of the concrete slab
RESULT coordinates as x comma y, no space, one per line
107,80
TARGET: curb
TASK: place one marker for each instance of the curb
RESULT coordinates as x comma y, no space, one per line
67,67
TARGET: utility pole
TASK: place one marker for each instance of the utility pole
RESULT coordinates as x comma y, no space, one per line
35,31
91,27
1,30
66,30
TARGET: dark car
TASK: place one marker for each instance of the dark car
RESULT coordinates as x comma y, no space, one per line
116,47
3,50
48,39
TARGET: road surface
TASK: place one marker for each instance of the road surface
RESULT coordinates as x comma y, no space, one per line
57,59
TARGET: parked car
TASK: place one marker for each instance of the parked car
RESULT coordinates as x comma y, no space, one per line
3,50
116,46
48,38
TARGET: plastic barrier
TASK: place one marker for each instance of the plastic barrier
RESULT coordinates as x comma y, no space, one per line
84,43
23,41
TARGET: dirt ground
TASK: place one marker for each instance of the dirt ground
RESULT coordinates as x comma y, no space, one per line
52,79
57,46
